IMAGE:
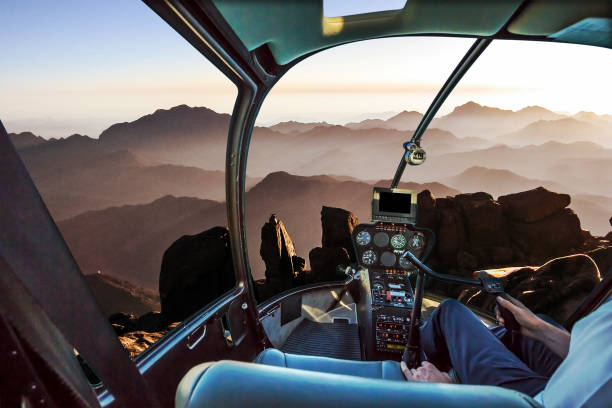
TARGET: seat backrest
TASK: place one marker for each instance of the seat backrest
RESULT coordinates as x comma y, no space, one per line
234,384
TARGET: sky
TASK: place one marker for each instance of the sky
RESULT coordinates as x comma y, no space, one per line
78,66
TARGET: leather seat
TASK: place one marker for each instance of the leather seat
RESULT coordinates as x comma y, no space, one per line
386,370
233,384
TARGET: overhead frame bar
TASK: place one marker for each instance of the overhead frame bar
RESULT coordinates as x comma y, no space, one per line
464,65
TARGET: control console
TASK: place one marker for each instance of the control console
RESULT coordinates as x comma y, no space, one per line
386,287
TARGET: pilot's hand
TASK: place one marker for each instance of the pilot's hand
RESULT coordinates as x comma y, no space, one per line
531,325
427,372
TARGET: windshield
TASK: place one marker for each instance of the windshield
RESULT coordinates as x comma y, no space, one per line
516,170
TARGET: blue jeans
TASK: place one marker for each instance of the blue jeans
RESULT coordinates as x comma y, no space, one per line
454,337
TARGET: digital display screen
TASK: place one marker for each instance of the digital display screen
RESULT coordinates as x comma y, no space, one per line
395,346
395,202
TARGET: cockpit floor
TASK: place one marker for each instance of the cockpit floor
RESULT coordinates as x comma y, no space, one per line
336,340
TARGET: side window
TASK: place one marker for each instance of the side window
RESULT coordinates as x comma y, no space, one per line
123,128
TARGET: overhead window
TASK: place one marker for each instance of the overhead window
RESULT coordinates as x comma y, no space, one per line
342,8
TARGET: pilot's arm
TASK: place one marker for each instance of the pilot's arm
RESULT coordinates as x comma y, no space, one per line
555,338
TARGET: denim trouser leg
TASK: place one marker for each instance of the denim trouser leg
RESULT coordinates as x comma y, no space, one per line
455,337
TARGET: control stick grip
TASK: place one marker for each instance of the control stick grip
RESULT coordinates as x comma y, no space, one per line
510,322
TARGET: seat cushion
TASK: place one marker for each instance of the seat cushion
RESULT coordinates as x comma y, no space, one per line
232,384
386,370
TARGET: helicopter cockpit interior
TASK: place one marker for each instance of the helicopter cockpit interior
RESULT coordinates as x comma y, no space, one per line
216,326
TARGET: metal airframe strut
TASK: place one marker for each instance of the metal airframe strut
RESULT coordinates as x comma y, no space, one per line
464,65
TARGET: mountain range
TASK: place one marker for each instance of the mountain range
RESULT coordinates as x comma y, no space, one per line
130,240
124,197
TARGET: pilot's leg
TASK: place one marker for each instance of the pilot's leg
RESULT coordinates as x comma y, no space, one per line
534,353
455,337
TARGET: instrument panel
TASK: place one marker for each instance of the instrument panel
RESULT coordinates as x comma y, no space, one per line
381,245
379,248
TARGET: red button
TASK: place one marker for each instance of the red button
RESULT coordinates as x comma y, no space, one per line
388,296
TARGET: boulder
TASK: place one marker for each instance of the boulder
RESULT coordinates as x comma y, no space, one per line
556,288
553,236
324,263
533,205
426,210
195,270
466,260
450,234
483,219
337,225
278,254
503,255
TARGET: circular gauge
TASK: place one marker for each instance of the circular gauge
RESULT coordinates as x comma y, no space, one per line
405,263
398,241
381,239
369,257
378,286
363,238
387,258
416,241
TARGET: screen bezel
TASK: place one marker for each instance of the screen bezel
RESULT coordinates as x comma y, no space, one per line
376,203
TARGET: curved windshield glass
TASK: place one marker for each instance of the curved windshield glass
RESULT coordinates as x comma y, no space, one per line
517,171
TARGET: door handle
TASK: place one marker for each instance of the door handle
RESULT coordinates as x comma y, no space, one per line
196,337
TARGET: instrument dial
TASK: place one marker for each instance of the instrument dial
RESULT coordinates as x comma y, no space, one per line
416,241
398,241
387,258
381,239
363,238
369,257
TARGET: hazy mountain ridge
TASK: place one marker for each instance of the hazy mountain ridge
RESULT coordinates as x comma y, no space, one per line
120,177
495,181
165,126
297,127
565,130
129,241
79,173
25,139
505,126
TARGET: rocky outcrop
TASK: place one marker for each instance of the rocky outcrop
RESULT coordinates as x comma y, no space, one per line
138,334
533,205
324,264
336,248
283,267
337,225
555,288
474,231
195,270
